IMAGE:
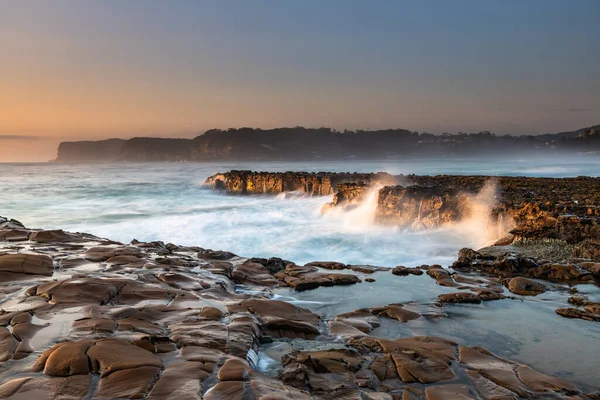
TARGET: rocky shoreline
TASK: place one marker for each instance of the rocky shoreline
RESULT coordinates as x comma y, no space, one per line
559,213
87,317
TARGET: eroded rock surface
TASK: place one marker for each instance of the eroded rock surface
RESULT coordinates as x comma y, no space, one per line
85,317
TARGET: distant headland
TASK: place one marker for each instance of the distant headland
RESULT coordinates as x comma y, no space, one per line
306,144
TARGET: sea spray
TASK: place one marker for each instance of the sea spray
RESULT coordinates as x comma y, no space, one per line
481,225
363,215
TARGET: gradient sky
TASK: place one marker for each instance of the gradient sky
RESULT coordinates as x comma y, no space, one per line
95,69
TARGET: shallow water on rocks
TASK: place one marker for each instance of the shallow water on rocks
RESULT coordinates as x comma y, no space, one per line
524,329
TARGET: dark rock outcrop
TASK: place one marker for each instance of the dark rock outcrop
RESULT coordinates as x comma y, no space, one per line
529,210
312,184
423,206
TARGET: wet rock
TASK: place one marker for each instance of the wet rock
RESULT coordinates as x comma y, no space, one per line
273,265
593,268
64,359
233,370
263,387
466,257
495,369
230,390
94,325
313,184
100,254
441,276
110,355
129,383
281,319
466,279
365,269
426,206
450,391
10,223
543,383
46,388
363,320
588,248
123,260
216,255
211,313
420,359
576,313
327,265
325,372
578,300
396,311
504,264
183,281
14,235
592,307
344,330
459,297
561,272
306,278
79,291
253,273
368,269
24,331
486,294
8,344
404,271
104,356
19,266
129,317
54,236
525,286
488,389
180,380
155,344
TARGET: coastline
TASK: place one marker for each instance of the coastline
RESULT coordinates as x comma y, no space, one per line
166,309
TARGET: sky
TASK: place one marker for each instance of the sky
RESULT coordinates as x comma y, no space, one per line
85,70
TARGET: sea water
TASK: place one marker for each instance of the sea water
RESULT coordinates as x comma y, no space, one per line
168,202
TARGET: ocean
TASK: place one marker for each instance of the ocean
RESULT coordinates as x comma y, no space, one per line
168,202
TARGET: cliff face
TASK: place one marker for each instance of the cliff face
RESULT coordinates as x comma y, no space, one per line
420,205
312,184
286,144
156,149
98,151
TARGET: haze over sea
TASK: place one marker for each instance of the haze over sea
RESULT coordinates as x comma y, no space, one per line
167,201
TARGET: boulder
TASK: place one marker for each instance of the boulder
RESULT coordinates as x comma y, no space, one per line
308,277
459,297
404,271
396,311
576,313
525,286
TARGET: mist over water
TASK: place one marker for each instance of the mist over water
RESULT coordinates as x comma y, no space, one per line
168,202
